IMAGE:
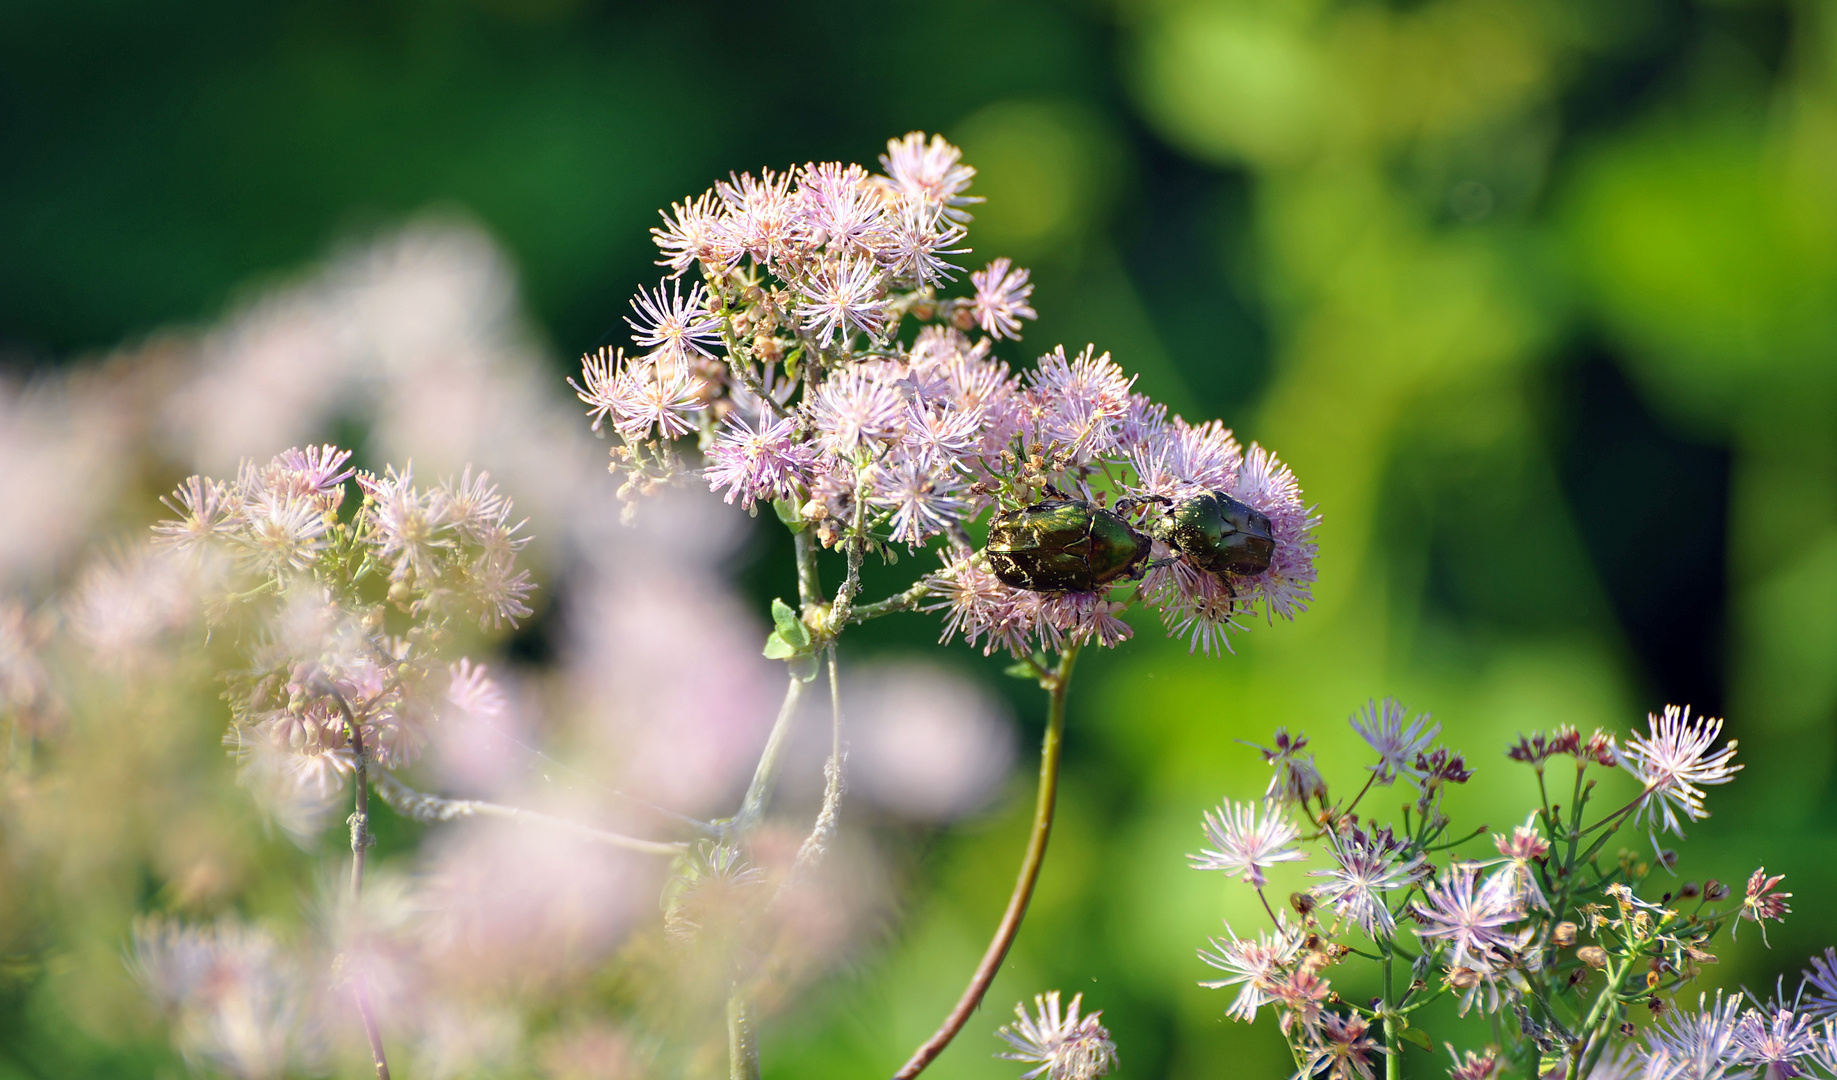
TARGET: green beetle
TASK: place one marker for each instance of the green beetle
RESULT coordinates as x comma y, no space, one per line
1216,532
1064,545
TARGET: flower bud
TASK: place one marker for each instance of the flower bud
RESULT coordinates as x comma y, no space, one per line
1592,955
1690,890
1668,858
1302,903
1563,934
1715,890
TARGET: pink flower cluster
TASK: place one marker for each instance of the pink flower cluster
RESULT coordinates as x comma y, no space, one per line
1547,921
786,361
452,546
350,610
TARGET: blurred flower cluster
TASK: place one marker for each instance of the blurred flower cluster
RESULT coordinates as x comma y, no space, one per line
1570,937
304,582
328,680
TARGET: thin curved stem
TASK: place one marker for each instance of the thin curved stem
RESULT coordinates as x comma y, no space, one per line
429,809
901,601
752,807
1023,886
360,846
825,828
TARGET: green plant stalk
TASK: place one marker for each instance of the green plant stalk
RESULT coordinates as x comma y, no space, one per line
360,845
1609,993
1023,887
742,1048
1393,1042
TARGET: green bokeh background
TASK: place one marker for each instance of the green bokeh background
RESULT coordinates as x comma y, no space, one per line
1538,297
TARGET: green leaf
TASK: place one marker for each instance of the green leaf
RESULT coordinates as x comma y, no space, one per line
1020,669
790,627
776,648
1419,1037
805,667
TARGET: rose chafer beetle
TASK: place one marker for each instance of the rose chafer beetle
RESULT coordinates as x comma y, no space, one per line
1063,544
1218,533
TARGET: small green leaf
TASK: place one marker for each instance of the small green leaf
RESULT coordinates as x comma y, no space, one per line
790,627
1419,1037
788,515
805,667
776,648
1020,669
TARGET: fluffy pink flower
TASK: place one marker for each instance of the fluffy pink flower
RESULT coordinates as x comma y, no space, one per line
758,462
1001,299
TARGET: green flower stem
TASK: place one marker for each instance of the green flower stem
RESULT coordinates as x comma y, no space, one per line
1609,994
1393,1042
430,809
752,807
742,1047
809,586
904,601
1023,887
360,846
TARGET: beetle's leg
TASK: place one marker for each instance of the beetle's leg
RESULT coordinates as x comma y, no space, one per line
1130,502
1054,492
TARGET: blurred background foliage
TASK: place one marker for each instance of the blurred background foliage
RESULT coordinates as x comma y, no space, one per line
1539,297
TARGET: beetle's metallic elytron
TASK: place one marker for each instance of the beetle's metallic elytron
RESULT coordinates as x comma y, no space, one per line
1218,533
1064,545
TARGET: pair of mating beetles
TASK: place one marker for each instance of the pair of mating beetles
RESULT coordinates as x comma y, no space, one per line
1062,544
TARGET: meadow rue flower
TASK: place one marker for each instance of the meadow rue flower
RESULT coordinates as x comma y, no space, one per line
1299,995
758,461
931,173
1001,299
1243,844
1516,881
1675,760
693,231
1062,1045
1368,866
234,999
676,327
1397,738
1343,1048
1778,1039
1821,984
1457,913
1761,903
1480,1065
1296,779
1254,964
1700,1043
